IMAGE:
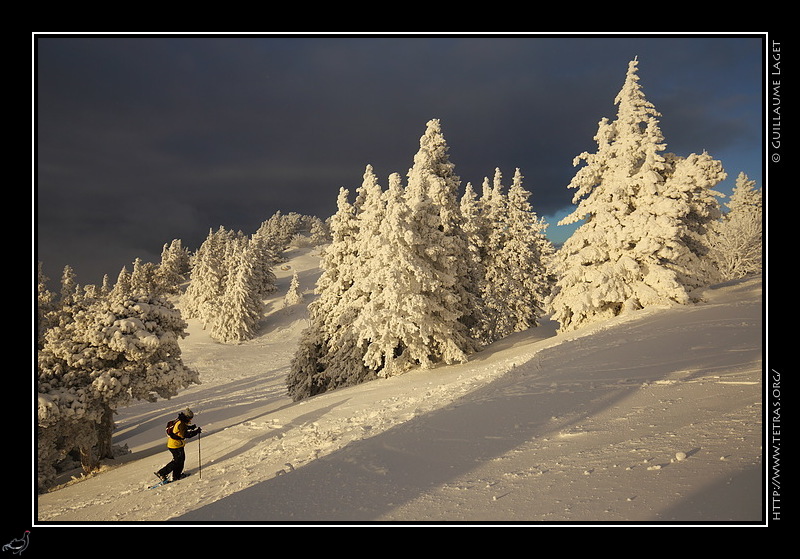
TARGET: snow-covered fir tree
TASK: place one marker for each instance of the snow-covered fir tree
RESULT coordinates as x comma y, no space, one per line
174,267
46,306
68,285
694,210
293,295
278,231
737,239
441,255
264,258
317,365
207,278
475,226
238,314
393,320
642,213
320,234
369,209
517,282
477,229
344,361
113,349
144,278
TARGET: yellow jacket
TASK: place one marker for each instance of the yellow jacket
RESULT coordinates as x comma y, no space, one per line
181,431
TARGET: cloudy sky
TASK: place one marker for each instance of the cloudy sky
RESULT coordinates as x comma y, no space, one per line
141,140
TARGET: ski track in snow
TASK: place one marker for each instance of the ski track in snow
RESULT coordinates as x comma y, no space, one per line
654,416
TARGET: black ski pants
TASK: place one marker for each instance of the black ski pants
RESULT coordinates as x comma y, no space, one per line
176,464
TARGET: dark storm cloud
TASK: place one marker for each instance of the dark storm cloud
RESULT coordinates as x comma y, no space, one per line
143,140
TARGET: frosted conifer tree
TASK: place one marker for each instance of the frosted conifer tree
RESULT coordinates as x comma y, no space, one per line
517,281
446,311
692,210
115,349
293,295
477,228
474,224
492,284
68,285
393,321
369,209
397,288
344,361
237,316
339,269
317,365
123,284
46,306
207,278
278,231
105,287
264,259
320,234
144,278
737,239
631,250
174,267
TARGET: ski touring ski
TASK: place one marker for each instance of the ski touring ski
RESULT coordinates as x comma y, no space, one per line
166,481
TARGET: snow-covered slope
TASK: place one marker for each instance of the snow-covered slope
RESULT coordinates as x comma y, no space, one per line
652,417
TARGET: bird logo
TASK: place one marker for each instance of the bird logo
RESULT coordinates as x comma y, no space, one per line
18,545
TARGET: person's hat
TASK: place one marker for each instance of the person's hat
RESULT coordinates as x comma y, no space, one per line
187,413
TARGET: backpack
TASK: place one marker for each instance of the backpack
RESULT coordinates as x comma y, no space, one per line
170,433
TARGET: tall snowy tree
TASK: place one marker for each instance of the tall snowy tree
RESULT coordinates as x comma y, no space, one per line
640,209
737,239
174,267
264,259
401,278
293,295
368,212
694,210
440,250
46,307
318,364
240,309
209,272
517,281
68,285
144,278
319,232
395,320
115,349
477,229
278,231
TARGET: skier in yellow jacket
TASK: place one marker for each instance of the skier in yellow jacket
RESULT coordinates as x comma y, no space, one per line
177,432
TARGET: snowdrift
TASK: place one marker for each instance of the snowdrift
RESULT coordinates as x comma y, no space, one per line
653,417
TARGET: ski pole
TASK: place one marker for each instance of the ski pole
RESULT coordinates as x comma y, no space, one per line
199,461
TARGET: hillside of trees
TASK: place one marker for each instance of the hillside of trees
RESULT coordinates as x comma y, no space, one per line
419,272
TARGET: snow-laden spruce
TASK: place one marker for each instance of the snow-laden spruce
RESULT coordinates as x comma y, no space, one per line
293,295
403,278
737,239
318,365
644,216
100,352
240,306
516,281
